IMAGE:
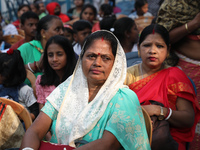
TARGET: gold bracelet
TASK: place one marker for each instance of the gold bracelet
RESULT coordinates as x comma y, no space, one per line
186,27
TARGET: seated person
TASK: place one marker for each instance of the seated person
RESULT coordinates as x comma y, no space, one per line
153,80
32,51
69,33
8,28
141,9
93,105
35,7
12,76
22,9
74,12
29,21
82,29
54,9
3,44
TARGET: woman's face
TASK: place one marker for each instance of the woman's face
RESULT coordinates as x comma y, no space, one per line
153,51
88,14
57,57
134,34
97,62
55,28
21,11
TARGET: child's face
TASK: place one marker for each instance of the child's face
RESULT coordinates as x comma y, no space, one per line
69,36
144,8
80,36
57,58
88,15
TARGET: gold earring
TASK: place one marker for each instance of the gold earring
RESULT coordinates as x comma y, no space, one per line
43,37
138,53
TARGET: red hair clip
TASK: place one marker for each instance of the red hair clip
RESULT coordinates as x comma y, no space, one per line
10,51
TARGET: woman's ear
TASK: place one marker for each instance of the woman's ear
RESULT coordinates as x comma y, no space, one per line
43,33
126,33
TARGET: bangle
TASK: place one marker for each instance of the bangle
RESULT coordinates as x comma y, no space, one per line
27,148
29,67
169,115
168,110
186,27
35,66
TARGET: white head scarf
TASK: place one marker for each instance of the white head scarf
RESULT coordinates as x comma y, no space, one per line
76,116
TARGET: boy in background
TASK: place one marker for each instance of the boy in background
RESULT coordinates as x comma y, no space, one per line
29,21
82,29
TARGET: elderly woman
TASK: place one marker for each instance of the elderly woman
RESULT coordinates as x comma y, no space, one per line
93,104
152,80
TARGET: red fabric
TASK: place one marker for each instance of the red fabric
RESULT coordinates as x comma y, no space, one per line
165,86
96,27
2,109
16,24
51,7
49,146
193,71
18,44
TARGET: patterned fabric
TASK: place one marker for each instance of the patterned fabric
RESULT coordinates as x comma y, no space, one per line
42,91
174,13
164,87
76,116
192,69
123,117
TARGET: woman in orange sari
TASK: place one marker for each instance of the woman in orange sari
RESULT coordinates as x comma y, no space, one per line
154,80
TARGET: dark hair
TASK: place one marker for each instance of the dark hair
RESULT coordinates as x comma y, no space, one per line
107,22
80,25
156,28
69,29
121,26
107,9
44,23
22,6
98,35
12,68
50,77
139,3
88,6
28,15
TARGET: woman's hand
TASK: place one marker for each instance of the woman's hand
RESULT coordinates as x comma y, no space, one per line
154,110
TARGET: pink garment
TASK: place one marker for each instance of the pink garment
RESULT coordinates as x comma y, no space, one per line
42,91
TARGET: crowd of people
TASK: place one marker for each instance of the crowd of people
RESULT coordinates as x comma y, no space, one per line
72,72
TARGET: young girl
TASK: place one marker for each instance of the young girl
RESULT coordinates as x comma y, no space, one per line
12,76
68,33
141,9
59,62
